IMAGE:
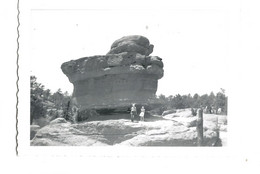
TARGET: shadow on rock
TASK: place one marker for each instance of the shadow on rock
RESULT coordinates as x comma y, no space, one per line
110,132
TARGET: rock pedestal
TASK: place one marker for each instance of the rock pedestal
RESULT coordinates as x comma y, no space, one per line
125,75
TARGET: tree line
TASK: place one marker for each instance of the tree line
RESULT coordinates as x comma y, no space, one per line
216,101
48,105
45,104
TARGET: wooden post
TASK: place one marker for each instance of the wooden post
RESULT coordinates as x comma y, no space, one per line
218,140
199,127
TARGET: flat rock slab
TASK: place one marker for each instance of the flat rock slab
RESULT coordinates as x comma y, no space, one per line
155,131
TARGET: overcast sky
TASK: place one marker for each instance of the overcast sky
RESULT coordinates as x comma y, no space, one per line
192,43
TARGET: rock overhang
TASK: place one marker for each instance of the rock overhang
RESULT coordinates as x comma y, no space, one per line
126,74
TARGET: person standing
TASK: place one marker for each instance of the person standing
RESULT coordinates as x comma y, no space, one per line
133,112
142,114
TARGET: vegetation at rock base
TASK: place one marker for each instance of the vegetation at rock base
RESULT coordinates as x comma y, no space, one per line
48,106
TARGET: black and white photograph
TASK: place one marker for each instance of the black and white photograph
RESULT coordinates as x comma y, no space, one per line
148,79
129,86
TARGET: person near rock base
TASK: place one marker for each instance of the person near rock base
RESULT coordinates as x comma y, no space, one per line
142,114
210,109
133,112
75,114
193,112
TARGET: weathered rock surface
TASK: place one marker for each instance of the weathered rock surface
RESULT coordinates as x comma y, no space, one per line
168,112
183,116
127,74
33,130
119,130
135,43
58,120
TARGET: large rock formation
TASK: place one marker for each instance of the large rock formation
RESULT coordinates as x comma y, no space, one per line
176,129
125,75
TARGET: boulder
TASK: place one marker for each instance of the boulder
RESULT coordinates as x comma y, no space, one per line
124,76
64,134
133,43
58,120
131,47
183,113
168,112
140,40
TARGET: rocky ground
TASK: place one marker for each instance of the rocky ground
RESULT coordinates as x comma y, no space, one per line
175,129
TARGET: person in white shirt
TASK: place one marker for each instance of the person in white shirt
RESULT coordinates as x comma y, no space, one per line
142,114
133,112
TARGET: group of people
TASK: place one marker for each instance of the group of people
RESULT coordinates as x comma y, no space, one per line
134,113
212,110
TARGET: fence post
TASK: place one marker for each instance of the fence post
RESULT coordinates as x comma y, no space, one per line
218,140
199,127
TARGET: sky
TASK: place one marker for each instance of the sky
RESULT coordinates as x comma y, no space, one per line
193,44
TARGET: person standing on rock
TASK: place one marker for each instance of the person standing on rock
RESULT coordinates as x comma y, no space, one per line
75,113
142,114
133,112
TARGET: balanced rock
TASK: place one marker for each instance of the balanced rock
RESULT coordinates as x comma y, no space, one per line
127,74
135,43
